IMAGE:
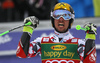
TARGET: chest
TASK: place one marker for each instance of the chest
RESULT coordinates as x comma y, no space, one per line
67,49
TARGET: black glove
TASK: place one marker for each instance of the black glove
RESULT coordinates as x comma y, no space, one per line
31,27
92,28
33,20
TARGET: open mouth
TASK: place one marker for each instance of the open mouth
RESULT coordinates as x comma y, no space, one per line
61,24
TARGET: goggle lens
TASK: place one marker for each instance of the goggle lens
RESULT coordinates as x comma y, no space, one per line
61,13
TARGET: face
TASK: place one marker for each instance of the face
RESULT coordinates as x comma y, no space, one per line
61,25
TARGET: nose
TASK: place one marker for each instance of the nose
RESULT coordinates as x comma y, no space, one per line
61,19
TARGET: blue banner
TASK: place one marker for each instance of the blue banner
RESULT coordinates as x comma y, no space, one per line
10,40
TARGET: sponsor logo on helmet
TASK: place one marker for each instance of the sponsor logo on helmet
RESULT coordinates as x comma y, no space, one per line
58,47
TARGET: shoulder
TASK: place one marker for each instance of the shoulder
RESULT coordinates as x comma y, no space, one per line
81,41
38,39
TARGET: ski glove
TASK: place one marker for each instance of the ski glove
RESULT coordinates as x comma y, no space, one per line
91,32
31,27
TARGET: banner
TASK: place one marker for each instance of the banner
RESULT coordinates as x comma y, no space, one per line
10,40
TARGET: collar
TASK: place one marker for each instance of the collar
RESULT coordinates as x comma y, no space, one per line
65,36
61,35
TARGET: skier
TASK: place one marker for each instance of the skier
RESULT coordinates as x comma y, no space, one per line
61,47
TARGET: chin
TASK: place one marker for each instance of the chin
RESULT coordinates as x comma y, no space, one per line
61,31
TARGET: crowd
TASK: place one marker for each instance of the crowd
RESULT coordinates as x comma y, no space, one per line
17,10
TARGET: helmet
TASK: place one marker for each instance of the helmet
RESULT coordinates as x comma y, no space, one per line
63,6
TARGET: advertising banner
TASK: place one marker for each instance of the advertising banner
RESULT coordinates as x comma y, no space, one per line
10,40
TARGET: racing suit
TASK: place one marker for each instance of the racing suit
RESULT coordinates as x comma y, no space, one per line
57,48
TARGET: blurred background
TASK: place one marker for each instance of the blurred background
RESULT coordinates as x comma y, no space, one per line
13,12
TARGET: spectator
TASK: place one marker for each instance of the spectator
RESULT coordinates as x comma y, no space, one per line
38,8
7,10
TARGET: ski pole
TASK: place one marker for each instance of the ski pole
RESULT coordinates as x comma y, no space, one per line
29,23
78,27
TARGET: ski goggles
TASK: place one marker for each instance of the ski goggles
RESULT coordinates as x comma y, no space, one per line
66,15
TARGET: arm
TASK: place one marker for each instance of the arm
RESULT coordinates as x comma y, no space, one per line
35,47
86,48
23,46
90,49
81,48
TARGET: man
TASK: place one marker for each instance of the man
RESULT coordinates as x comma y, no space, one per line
61,47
